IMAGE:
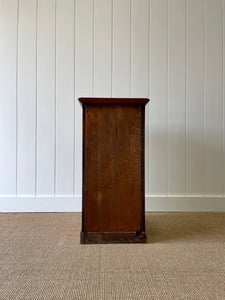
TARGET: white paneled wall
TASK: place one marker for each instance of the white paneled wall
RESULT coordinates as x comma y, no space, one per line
54,51
26,97
46,95
195,73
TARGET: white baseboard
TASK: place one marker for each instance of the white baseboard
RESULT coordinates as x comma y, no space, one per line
73,203
40,204
185,203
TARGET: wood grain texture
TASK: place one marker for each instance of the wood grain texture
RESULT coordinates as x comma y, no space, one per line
113,168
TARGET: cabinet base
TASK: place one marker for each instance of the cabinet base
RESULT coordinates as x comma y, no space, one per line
112,237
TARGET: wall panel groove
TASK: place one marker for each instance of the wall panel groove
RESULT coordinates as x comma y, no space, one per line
213,98
74,106
147,166
223,81
17,97
204,90
55,100
36,98
185,96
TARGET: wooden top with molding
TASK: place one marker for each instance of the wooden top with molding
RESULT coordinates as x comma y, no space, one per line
96,100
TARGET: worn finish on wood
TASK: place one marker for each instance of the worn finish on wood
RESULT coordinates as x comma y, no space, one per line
113,170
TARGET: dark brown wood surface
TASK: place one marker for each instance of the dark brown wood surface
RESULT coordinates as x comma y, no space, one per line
112,237
95,100
113,171
113,168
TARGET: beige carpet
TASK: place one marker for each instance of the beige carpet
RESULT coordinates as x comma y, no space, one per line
41,258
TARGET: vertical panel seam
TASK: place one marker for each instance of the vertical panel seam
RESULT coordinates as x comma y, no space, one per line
204,87
36,99
149,86
130,47
55,105
167,105
186,41
223,96
17,43
148,45
74,100
112,45
93,62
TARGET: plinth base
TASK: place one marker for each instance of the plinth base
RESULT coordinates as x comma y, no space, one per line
112,237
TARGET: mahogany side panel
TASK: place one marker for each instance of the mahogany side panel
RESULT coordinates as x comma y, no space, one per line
113,171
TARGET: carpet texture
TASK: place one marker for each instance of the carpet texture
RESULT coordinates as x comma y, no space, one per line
41,258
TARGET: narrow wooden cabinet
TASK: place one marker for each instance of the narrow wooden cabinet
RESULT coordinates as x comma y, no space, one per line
113,209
